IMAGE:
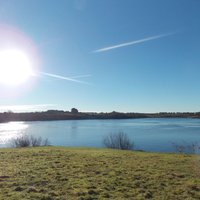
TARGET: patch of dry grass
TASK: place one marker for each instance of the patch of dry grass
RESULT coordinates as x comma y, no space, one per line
49,173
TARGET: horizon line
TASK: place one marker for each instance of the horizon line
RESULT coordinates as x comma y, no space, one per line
27,108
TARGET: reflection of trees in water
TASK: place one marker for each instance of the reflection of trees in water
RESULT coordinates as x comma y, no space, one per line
74,129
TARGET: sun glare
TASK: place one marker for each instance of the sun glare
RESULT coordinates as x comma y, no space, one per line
15,67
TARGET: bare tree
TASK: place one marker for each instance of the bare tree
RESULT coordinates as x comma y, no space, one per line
28,141
187,148
179,148
118,140
22,141
35,142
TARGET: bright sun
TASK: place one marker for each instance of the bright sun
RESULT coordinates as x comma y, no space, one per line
15,67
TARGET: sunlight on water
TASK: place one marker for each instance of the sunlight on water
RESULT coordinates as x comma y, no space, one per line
158,135
11,130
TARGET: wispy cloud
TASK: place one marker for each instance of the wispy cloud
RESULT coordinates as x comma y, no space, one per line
133,42
26,108
73,79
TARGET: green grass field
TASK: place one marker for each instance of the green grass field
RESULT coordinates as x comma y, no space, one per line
49,173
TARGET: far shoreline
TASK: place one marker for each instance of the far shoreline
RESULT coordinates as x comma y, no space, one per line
56,115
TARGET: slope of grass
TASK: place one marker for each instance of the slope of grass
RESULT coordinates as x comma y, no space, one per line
48,173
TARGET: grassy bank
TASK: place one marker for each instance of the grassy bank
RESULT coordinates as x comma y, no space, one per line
49,173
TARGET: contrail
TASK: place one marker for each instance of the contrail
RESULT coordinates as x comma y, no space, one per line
81,76
133,42
67,78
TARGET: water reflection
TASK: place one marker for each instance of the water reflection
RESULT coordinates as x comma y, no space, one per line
11,130
74,129
147,134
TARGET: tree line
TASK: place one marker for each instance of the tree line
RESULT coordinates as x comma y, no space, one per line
75,114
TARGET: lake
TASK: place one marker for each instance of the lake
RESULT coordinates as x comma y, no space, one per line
149,134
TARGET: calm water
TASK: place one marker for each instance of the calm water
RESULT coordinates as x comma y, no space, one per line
148,134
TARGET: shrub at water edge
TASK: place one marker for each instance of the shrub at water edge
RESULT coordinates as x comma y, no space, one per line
118,140
29,141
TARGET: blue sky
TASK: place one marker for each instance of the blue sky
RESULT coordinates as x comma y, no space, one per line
122,55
